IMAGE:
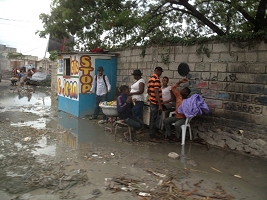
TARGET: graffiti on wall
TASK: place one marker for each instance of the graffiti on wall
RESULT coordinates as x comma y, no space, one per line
86,79
242,107
230,78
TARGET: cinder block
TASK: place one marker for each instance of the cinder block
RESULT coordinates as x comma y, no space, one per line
261,99
253,88
241,97
209,76
140,65
223,96
206,93
136,52
178,49
251,108
191,83
212,103
214,57
260,78
194,75
122,59
262,46
215,85
262,56
173,66
128,52
169,74
202,84
233,87
236,48
251,56
164,49
264,110
227,57
189,49
256,68
202,67
222,76
244,78
241,57
220,47
148,57
195,58
239,67
218,67
181,57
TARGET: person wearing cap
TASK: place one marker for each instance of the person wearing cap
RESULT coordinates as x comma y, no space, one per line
101,87
137,90
155,98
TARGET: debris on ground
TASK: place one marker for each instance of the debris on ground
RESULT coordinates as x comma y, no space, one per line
167,190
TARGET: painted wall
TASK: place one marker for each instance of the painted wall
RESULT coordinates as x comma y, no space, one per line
232,80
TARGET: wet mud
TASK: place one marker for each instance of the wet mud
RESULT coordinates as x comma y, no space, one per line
48,154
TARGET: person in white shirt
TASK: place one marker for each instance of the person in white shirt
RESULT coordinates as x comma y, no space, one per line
101,86
137,93
167,94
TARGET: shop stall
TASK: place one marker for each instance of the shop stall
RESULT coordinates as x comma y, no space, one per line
74,80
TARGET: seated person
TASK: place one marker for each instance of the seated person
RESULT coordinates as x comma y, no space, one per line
167,94
124,107
178,119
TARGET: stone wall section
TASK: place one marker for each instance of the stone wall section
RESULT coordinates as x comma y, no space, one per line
232,79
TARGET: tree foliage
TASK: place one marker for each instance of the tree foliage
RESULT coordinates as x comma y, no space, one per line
120,23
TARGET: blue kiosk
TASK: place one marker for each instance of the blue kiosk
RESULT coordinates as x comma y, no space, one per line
74,80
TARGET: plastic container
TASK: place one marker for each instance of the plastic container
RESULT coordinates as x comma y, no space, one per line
109,110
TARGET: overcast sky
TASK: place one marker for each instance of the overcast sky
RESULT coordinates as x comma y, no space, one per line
19,20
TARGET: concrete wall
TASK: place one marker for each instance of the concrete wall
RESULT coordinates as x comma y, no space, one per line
232,80
4,61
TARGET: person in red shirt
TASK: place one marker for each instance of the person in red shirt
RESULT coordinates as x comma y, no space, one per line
178,119
155,98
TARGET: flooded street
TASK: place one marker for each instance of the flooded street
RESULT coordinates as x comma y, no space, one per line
46,154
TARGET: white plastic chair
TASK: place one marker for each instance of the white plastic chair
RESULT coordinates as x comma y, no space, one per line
184,127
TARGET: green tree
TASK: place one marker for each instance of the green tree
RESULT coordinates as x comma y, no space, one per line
120,23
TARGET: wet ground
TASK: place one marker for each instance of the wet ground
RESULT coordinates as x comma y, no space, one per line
47,154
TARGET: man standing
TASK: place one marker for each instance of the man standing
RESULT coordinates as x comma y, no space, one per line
155,97
101,86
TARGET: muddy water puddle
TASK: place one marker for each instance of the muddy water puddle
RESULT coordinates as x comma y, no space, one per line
84,147
242,176
32,107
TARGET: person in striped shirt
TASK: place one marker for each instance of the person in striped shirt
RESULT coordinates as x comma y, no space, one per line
155,98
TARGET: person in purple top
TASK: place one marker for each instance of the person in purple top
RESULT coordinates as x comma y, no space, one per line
124,108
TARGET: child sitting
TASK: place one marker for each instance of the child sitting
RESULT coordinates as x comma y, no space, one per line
124,107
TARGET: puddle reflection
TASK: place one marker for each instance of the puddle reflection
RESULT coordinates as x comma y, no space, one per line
245,175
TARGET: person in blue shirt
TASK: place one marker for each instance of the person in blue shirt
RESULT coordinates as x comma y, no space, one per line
21,77
124,107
